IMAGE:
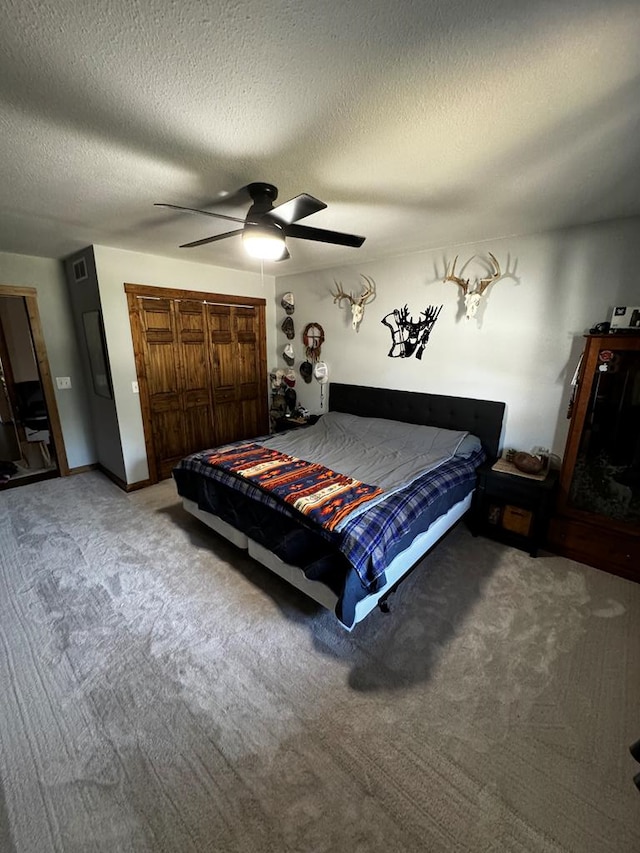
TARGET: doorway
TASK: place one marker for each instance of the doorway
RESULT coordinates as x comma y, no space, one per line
31,446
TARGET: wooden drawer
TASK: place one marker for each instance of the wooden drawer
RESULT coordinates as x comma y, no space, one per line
614,552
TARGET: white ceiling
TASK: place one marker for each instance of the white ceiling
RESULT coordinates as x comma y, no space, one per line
422,124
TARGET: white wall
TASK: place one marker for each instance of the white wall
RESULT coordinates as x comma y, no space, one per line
116,267
46,276
522,348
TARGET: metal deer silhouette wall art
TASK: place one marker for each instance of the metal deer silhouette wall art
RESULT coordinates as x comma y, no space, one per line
410,336
473,295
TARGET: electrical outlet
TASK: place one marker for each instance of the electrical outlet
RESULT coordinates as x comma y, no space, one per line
63,382
134,388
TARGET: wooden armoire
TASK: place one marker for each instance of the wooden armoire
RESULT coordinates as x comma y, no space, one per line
598,513
201,366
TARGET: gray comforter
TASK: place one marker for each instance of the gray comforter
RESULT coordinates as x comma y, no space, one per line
383,453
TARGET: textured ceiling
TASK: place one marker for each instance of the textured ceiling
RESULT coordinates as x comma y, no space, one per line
421,124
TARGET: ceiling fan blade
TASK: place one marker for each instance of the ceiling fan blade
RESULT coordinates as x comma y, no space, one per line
213,239
303,232
203,212
296,208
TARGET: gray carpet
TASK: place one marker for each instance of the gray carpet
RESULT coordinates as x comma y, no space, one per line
161,692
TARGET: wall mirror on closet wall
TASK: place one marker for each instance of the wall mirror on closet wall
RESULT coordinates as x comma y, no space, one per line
202,370
31,446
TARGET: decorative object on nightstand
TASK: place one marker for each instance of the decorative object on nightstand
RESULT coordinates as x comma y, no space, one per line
299,418
598,514
512,506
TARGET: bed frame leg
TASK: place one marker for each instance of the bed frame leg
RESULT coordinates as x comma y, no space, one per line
383,604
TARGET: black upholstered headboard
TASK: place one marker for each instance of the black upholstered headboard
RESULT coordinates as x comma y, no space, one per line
480,417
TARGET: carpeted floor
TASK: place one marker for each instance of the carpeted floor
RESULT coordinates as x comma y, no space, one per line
159,691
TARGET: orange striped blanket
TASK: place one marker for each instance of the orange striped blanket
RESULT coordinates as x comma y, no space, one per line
322,495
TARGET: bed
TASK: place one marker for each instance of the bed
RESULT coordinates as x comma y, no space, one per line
348,561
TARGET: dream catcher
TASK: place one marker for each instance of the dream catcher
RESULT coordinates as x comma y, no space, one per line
313,338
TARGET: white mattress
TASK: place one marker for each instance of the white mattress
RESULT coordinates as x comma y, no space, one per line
316,590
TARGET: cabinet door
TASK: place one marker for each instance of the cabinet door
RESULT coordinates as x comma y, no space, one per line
601,469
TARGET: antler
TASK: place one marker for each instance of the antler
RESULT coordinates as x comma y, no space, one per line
451,276
369,290
403,314
339,295
484,283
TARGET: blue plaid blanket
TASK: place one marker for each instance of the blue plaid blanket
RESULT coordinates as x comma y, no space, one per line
367,540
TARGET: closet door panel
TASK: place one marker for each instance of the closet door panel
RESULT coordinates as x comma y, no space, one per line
251,421
248,372
162,371
157,319
220,318
168,441
196,376
163,381
228,422
225,361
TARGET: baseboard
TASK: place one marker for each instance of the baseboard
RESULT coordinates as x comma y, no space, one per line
126,487
141,484
82,469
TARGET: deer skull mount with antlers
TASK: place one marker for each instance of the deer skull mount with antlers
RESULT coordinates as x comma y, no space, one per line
473,296
357,302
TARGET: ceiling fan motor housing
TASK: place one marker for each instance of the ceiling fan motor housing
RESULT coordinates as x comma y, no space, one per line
263,196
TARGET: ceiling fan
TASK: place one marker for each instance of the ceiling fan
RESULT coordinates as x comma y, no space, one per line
265,227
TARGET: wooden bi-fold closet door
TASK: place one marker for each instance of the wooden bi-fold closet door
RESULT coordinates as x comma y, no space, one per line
201,367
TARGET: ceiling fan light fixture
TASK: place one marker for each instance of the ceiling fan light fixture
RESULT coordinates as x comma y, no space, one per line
265,242
266,227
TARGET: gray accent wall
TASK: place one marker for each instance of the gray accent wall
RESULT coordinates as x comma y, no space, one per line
85,297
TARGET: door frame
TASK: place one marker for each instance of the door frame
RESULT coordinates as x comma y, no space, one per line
30,296
133,293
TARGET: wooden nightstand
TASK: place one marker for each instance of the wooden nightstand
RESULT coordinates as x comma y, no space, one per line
513,509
